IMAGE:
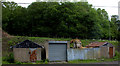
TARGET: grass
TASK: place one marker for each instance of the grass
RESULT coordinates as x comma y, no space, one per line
82,61
37,62
84,41
89,61
88,41
0,61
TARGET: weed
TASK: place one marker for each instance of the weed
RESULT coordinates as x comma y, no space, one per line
46,62
18,63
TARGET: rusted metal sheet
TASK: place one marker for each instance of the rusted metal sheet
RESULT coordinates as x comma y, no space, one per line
90,53
96,53
104,52
113,51
33,54
86,53
75,54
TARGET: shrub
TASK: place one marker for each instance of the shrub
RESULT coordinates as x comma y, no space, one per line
46,62
39,62
117,55
9,58
18,62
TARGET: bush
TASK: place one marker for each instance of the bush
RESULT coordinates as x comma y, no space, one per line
46,62
9,58
18,63
117,55
39,62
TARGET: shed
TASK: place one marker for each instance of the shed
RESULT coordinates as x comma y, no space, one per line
104,46
27,51
57,50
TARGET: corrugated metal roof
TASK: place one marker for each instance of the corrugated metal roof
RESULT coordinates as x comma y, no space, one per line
97,44
27,44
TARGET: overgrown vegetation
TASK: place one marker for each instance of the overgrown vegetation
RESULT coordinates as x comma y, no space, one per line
8,58
89,61
37,62
53,19
17,39
117,56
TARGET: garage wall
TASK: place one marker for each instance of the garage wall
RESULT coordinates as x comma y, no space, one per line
22,54
46,45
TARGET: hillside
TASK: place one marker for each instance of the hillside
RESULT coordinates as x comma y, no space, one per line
8,40
4,34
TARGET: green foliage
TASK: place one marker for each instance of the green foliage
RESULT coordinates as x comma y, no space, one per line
91,61
52,19
18,62
71,45
39,40
45,61
9,58
117,56
83,61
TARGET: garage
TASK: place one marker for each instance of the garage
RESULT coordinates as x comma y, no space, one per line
57,51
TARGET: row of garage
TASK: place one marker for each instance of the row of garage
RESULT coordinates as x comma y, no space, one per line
53,51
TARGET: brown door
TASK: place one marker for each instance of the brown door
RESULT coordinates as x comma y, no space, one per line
111,52
33,55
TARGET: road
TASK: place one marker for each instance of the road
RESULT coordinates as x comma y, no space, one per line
113,62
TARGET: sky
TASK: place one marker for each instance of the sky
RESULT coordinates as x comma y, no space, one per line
111,6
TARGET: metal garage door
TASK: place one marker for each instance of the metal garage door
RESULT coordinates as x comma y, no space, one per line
57,52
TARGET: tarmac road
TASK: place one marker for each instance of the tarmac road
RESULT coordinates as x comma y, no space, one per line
113,62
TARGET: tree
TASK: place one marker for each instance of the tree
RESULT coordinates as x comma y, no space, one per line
13,18
52,19
113,26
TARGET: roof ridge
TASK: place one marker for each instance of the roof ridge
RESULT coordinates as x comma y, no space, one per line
27,44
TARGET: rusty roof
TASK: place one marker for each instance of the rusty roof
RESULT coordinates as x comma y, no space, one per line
96,44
